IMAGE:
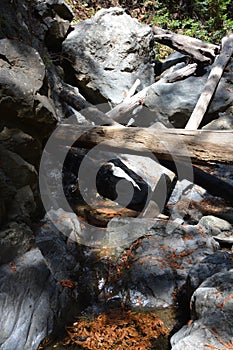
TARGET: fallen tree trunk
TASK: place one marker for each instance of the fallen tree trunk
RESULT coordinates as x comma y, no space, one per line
200,146
211,84
199,50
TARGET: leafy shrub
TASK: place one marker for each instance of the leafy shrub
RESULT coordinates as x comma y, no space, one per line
207,20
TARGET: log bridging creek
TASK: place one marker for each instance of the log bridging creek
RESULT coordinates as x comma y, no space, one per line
201,146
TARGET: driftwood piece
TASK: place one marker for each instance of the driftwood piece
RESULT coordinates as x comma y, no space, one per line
129,104
211,84
133,89
199,50
200,146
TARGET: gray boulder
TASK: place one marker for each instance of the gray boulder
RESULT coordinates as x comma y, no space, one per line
161,263
173,103
19,188
220,229
224,122
220,261
213,224
212,313
20,172
23,144
108,53
45,14
15,240
31,302
22,75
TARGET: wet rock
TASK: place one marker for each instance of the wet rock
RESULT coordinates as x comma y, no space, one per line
212,312
66,222
108,53
31,302
15,239
160,264
122,232
57,243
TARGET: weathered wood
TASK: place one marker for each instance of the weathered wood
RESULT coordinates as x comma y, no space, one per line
129,104
211,84
178,74
199,50
200,145
133,89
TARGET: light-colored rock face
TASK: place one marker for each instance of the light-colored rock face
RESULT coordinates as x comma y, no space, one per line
108,53
212,312
22,74
29,303
173,103
22,71
211,222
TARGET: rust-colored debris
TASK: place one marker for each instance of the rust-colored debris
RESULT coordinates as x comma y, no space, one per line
117,329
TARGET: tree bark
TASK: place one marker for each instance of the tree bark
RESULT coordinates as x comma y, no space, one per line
201,146
211,84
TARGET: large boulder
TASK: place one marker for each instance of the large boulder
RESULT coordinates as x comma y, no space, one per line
49,22
106,54
15,240
23,144
212,312
31,302
173,103
22,76
157,269
220,261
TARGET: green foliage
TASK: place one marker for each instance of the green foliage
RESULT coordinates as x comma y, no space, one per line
207,20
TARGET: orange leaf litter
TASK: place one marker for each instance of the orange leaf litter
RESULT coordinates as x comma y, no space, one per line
117,329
